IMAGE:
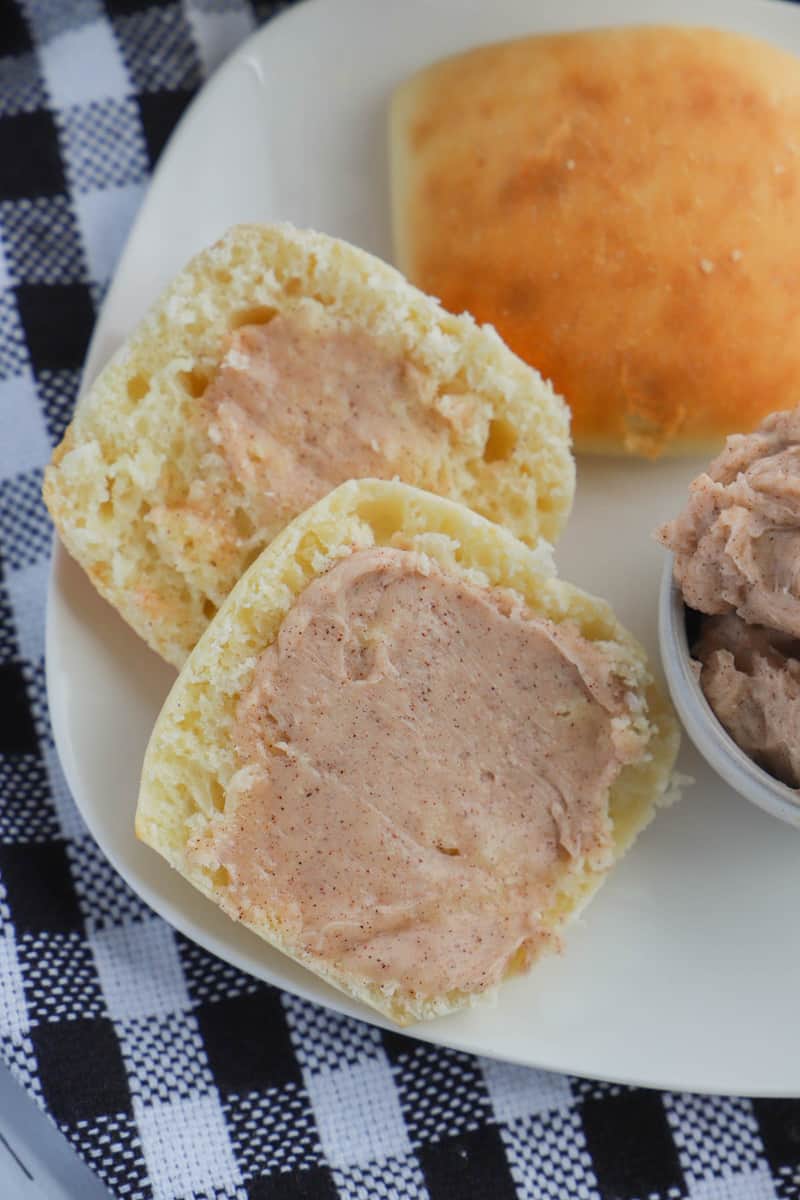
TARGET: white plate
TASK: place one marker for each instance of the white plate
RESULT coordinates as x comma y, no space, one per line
685,971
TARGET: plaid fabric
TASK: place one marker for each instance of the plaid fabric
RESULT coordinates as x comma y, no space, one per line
173,1074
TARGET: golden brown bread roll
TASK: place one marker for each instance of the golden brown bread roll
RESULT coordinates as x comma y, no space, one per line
621,205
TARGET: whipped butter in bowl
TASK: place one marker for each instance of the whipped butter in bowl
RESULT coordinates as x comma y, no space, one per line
730,614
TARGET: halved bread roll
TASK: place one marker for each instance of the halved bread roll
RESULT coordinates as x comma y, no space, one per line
278,364
403,752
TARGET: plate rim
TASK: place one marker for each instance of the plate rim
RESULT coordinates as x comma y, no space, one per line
60,561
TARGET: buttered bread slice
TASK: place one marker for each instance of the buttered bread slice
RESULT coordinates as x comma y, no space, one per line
278,364
403,752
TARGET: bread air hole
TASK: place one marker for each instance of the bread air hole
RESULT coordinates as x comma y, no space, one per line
138,387
209,609
251,556
457,386
217,794
105,510
308,551
384,518
519,961
194,382
221,878
243,524
501,442
261,314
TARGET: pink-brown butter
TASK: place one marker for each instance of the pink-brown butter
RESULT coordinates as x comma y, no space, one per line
421,757
737,542
737,560
751,678
305,401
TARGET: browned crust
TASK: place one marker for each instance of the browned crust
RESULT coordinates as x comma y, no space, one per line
621,205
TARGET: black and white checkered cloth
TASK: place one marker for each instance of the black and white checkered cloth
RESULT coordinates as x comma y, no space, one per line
173,1074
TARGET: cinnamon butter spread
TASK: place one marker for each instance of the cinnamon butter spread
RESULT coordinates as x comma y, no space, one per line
751,678
422,759
737,543
306,402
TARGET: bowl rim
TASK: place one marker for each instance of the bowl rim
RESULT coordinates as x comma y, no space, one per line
699,721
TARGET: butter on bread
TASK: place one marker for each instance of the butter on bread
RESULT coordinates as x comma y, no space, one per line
622,205
144,497
192,765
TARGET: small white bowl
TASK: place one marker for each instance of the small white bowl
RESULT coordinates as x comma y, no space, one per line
716,746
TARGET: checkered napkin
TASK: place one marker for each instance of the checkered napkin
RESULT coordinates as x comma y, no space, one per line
173,1074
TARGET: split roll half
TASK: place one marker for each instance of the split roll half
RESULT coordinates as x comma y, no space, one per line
277,365
403,752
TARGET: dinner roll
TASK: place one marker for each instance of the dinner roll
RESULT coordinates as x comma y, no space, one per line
622,205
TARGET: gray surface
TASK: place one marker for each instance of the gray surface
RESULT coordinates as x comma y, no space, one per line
36,1162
